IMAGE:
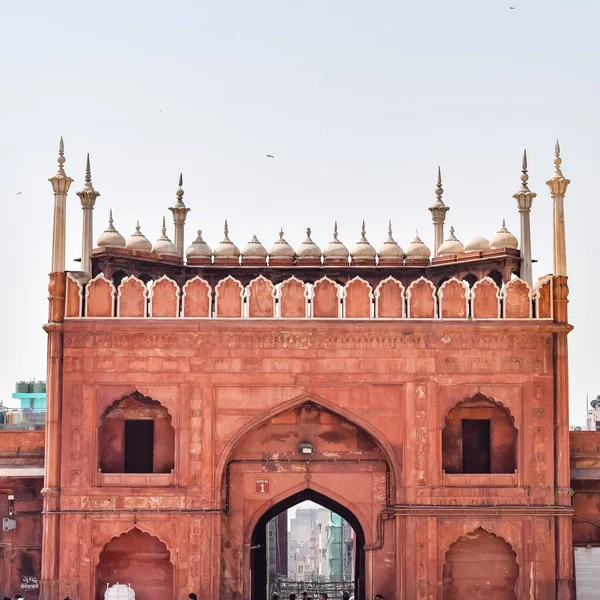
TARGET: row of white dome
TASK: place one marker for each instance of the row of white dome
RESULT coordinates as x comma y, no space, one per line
363,250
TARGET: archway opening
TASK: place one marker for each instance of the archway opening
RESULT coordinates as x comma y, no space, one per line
307,542
138,559
480,566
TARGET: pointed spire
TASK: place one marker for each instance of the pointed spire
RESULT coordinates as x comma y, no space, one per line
439,190
281,240
226,233
61,182
179,194
110,220
335,231
87,186
111,237
390,238
390,250
164,227
363,234
61,157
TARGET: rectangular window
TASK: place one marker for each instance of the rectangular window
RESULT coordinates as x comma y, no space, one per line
139,446
476,447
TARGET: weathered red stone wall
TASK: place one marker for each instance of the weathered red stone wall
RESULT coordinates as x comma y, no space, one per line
393,383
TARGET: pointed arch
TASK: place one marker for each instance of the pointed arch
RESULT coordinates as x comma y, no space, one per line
326,299
390,301
145,529
321,402
99,297
164,298
293,299
357,299
132,297
454,299
261,303
196,298
485,299
229,298
420,297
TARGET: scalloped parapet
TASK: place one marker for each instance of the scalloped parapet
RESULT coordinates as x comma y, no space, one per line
99,297
326,301
229,298
261,298
196,299
358,299
293,299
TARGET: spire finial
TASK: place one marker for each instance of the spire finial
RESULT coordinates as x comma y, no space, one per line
439,190
557,161
179,193
308,231
110,217
390,238
504,223
164,226
226,228
363,232
335,231
281,233
390,228
88,170
59,181
137,226
180,179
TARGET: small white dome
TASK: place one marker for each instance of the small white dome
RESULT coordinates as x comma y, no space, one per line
281,249
503,239
163,244
254,249
308,249
199,248
226,249
363,250
390,248
417,249
477,244
111,238
451,246
336,249
138,241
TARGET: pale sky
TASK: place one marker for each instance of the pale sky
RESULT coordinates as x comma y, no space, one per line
358,102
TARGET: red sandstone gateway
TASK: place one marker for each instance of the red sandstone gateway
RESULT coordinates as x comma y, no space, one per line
422,400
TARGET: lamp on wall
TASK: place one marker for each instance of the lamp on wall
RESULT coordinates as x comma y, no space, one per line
305,448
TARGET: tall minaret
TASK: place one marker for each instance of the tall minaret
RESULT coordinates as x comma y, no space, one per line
558,188
60,184
438,214
180,212
524,198
88,197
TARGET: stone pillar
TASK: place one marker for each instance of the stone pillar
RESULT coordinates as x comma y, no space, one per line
180,212
56,288
438,215
562,485
558,188
60,184
88,197
524,198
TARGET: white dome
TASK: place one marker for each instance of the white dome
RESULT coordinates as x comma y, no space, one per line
390,248
163,244
336,249
254,249
226,249
477,244
119,591
138,241
199,248
308,249
281,249
417,249
451,246
503,239
363,249
111,238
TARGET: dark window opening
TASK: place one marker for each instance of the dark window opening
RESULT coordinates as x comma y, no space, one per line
139,446
476,446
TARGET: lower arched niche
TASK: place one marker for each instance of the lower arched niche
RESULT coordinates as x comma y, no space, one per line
139,559
480,566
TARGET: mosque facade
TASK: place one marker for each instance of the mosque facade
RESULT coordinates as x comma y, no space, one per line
195,393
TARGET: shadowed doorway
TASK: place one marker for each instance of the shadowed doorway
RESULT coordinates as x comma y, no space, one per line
261,585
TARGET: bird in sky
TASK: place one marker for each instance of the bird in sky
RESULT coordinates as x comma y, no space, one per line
511,8
269,156
18,193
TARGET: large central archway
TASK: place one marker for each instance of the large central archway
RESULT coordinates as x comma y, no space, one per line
259,558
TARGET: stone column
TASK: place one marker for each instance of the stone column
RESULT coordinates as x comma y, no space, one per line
54,328
180,212
438,215
88,197
524,198
562,485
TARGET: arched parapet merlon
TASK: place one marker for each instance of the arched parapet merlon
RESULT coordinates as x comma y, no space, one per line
322,494
134,401
293,299
196,298
454,299
420,297
326,299
357,299
100,296
74,297
516,300
261,295
319,401
229,298
485,299
390,299
544,298
132,298
476,400
164,298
